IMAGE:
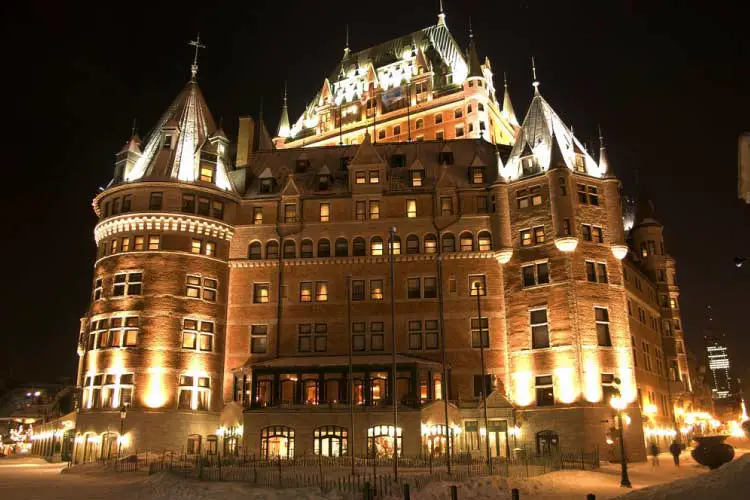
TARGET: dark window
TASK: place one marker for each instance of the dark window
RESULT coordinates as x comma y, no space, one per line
478,385
126,202
290,249
545,393
254,251
480,330
430,288
412,244
324,248
586,232
445,157
449,243
591,271
204,206
358,289
413,286
539,328
272,250
306,249
602,326
359,247
217,210
188,203
398,161
342,248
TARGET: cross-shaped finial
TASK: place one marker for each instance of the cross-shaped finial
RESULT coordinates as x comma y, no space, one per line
198,45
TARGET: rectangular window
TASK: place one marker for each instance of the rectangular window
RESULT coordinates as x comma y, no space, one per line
196,246
290,213
397,130
321,291
459,130
481,202
127,200
601,315
358,337
430,288
431,336
126,244
376,289
446,206
582,196
210,249
360,178
591,271
113,246
97,288
325,212
480,328
154,242
204,206
593,195
545,392
415,335
539,328
522,198
476,175
128,284
258,339
198,335
601,272
586,232
482,389
207,173
217,210
155,201
374,177
526,238
261,293
374,210
197,287
535,274
417,176
358,289
360,210
116,206
257,215
477,285
646,356
377,342
411,208
188,203
139,243
539,234
414,288
598,234
536,195
305,291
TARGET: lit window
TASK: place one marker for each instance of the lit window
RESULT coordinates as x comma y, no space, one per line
374,209
539,234
154,242
290,213
411,208
197,335
539,328
207,173
210,249
374,177
417,177
258,339
446,206
396,244
535,274
196,246
485,241
126,244
477,285
430,244
261,293
413,286
139,243
197,287
97,288
321,291
325,212
586,232
466,242
449,243
305,291
257,215
195,393
376,289
113,246
477,175
217,210
376,246
128,284
526,238
360,210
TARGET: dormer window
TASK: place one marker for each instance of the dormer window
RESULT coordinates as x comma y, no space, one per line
302,166
417,178
445,157
398,160
344,162
167,142
476,175
360,178
580,165
207,173
528,164
266,186
324,182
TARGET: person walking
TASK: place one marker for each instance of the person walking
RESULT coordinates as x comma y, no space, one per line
654,450
675,449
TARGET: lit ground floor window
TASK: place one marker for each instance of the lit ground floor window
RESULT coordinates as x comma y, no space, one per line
330,441
277,441
381,440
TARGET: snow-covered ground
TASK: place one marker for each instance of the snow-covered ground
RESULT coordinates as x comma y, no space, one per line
31,478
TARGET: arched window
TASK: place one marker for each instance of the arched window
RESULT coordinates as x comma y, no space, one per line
412,244
396,245
253,252
306,249
324,248
376,245
449,243
342,247
330,441
485,241
272,250
467,242
359,247
194,444
277,441
290,249
430,244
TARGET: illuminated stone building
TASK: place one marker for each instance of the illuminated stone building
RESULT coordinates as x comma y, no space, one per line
227,297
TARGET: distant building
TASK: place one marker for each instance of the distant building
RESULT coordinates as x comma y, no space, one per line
718,362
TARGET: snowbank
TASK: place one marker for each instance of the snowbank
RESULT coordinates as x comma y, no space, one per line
725,483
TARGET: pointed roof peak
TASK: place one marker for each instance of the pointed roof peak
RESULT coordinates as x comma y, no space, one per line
441,15
284,129
475,67
198,45
477,161
347,51
366,153
603,157
508,112
133,145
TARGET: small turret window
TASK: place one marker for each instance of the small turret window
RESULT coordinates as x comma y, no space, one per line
580,164
266,185
167,142
207,173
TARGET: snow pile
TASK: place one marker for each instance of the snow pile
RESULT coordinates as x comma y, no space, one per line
726,483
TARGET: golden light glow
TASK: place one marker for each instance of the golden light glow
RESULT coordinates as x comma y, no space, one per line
618,403
659,432
566,243
566,386
124,440
619,251
156,394
650,409
524,394
592,387
503,256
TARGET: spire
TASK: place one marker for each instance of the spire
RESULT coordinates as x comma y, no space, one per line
508,112
198,45
475,67
346,47
284,130
441,15
535,83
603,160
499,161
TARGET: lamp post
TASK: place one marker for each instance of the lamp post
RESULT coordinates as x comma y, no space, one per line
123,414
394,386
478,288
619,404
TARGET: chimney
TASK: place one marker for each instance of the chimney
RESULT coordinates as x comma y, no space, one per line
245,141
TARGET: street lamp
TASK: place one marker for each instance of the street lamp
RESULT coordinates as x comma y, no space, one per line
619,404
478,288
123,414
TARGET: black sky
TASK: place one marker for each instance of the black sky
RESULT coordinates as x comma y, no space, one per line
668,81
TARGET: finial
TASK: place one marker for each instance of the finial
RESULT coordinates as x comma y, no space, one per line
284,92
198,45
441,15
601,137
471,32
535,83
346,48
505,80
261,108
133,129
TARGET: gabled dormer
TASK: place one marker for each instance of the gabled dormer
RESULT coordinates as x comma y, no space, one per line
367,170
324,181
447,197
417,174
445,156
127,158
529,163
477,171
290,202
267,182
303,163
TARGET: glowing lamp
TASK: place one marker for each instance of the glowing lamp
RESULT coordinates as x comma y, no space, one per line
503,256
618,403
566,243
482,432
650,409
619,251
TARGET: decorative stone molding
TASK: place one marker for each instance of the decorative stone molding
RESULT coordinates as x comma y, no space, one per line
369,259
155,222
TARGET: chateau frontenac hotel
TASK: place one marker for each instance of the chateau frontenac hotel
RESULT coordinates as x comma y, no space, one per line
245,296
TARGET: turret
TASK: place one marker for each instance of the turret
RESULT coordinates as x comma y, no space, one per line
284,130
126,159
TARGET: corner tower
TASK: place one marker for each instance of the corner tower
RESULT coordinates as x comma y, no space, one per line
153,341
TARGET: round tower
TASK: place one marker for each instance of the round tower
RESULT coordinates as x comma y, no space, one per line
153,344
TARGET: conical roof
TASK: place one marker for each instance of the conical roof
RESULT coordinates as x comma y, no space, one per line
508,112
284,129
475,67
540,129
189,122
645,214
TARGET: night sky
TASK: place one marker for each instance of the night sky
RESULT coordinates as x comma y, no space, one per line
669,84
